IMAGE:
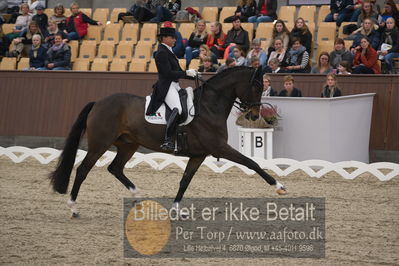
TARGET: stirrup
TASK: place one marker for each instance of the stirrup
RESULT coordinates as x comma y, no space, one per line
168,146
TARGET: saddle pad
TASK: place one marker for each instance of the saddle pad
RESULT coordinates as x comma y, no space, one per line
159,117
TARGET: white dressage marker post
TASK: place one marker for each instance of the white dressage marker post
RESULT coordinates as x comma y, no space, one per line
256,142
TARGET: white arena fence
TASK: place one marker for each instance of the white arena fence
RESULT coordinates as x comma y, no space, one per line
159,161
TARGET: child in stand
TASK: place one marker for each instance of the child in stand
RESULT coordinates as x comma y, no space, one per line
239,56
289,89
344,68
267,88
331,88
207,65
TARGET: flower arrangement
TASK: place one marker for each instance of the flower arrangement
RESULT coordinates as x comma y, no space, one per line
268,118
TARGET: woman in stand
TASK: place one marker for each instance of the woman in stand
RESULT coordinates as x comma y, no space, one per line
302,32
365,61
197,38
323,65
331,88
216,39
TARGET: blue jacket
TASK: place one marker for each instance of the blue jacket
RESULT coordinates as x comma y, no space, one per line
39,60
374,38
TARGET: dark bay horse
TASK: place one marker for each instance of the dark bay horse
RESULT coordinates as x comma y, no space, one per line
119,120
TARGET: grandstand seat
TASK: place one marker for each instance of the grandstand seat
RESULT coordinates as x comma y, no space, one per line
143,50
118,64
226,12
186,29
130,33
182,63
265,32
114,14
210,14
87,11
124,51
68,12
8,28
88,50
322,14
152,67
287,14
348,43
194,64
149,33
94,33
101,14
106,50
99,64
326,32
138,65
307,13
250,28
8,63
81,64
221,61
311,27
74,45
111,33
23,63
49,12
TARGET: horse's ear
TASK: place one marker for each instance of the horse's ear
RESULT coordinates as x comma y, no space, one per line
258,73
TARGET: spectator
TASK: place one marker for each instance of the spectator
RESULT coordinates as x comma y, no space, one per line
41,18
76,24
239,56
58,56
22,45
178,49
207,65
367,11
245,9
253,62
341,10
302,32
3,7
145,10
390,11
52,30
357,8
266,11
323,65
367,30
230,62
197,38
331,88
132,12
274,67
59,17
204,52
344,68
216,39
37,54
267,88
22,22
298,58
289,89
279,52
4,41
280,31
365,61
258,52
236,36
167,11
340,53
389,45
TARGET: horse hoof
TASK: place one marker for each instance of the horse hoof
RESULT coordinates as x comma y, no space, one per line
75,215
282,191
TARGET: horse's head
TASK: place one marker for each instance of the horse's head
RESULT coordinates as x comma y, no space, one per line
250,94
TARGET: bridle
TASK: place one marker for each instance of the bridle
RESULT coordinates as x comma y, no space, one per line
243,106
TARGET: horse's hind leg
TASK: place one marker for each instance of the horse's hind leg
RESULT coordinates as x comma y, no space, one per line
81,173
231,154
192,166
125,152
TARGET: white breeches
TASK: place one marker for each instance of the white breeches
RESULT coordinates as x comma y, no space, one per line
172,98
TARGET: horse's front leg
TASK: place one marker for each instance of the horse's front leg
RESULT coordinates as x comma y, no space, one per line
233,155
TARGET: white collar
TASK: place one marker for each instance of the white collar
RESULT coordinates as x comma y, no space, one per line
275,71
169,48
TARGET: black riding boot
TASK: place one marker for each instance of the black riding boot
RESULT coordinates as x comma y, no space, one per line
169,144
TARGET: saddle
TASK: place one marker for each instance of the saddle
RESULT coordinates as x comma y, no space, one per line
162,114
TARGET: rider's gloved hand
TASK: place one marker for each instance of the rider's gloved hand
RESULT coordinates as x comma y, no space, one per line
191,73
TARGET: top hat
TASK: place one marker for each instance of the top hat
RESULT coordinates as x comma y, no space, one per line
39,6
167,32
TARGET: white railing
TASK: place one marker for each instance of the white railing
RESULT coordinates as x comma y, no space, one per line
281,166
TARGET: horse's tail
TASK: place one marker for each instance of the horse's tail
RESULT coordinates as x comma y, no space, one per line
59,179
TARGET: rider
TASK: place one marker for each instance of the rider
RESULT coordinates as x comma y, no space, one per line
167,87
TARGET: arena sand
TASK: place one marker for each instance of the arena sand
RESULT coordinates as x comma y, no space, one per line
361,215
